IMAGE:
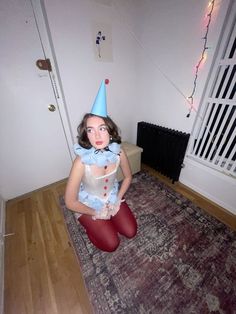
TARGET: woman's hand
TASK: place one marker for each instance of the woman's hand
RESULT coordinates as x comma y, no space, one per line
102,213
108,211
113,209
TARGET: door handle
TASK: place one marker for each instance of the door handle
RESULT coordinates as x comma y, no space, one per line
51,108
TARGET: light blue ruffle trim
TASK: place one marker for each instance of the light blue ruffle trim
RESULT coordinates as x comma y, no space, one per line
98,157
95,202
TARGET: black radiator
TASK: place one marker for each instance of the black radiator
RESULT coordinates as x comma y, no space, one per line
163,148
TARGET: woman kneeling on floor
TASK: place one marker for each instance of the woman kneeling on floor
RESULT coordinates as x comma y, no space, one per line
92,191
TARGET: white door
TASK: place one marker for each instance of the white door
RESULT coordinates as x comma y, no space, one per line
34,150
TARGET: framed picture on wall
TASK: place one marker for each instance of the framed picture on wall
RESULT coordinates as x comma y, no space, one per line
102,42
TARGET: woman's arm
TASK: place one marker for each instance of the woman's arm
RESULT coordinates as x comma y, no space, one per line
72,189
125,167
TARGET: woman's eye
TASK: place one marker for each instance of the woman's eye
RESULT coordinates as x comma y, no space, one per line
89,130
103,128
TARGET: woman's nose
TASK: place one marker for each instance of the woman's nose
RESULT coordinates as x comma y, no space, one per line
97,134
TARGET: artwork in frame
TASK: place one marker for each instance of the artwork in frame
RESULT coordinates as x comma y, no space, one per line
102,42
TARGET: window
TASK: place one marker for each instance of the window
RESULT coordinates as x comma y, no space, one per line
213,142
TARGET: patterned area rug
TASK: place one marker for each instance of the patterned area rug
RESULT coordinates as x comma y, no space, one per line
181,260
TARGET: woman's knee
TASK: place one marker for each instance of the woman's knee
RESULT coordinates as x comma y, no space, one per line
125,222
101,233
131,231
111,246
105,244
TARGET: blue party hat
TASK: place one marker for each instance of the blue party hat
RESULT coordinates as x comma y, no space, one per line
100,104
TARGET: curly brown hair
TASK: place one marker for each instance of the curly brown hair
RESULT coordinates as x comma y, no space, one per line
82,131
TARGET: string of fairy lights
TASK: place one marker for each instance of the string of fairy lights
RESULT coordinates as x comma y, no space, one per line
202,58
189,99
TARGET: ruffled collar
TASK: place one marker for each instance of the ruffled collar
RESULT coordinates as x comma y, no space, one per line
99,157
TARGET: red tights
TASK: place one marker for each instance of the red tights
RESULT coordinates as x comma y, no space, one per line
104,233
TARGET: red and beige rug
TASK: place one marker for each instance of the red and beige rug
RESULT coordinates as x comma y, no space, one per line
181,261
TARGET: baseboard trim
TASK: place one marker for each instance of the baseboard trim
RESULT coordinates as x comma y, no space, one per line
2,232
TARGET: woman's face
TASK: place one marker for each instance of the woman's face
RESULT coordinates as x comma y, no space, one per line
97,132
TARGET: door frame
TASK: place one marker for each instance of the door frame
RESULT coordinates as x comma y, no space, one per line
45,38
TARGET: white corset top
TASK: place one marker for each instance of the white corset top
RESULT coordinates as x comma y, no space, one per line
102,186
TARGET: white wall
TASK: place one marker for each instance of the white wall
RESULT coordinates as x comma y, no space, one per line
214,185
156,46
170,39
71,24
210,183
171,34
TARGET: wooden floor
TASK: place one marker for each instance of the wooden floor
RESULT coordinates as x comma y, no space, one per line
42,274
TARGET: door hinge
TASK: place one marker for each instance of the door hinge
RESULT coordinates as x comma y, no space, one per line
44,64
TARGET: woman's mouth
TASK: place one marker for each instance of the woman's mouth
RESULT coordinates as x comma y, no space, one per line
99,142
